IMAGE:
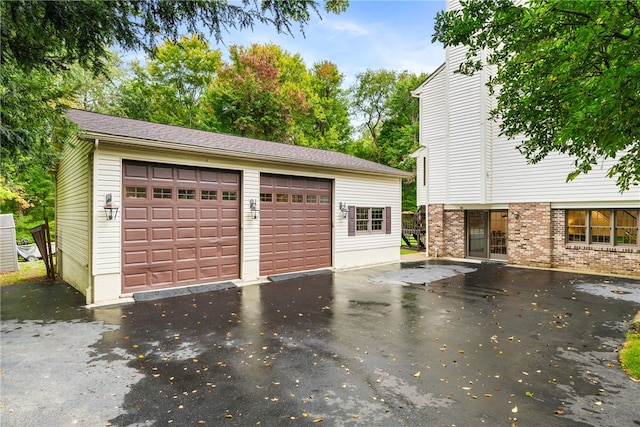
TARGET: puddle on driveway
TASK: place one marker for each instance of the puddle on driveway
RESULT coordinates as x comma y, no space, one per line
420,275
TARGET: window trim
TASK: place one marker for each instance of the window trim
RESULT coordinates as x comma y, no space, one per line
588,227
380,221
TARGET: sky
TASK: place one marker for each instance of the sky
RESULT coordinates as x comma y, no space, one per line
371,34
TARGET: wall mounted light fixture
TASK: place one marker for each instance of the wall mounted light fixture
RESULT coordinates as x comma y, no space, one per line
110,209
343,209
253,207
515,215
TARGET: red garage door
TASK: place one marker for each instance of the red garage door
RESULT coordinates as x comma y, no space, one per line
295,224
180,226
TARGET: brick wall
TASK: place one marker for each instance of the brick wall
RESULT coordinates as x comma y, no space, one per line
446,232
529,236
435,218
454,233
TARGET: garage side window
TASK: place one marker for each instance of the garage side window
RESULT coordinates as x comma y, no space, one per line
369,220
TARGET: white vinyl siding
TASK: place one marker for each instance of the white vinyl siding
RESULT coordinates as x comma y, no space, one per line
251,190
367,192
107,178
516,181
468,162
465,162
434,134
72,214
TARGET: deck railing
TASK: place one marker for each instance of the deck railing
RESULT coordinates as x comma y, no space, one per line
413,228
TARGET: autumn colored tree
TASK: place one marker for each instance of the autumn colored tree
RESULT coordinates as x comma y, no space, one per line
260,93
567,79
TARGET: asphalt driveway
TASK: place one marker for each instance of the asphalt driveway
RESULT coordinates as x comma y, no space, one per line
418,343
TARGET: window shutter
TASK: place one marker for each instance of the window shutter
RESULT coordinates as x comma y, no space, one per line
387,219
352,220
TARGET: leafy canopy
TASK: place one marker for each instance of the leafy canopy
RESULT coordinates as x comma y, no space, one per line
55,34
567,76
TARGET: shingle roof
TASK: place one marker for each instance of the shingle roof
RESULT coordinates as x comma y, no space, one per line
139,131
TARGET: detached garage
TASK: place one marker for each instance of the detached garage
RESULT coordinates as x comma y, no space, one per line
143,206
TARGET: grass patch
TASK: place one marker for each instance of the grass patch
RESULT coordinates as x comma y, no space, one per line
405,251
27,272
630,353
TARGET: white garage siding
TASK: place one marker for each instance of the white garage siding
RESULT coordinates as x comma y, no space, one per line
73,192
367,249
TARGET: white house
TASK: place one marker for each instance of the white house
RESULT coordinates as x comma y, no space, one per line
143,206
484,201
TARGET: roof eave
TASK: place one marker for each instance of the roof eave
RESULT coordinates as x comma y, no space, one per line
172,146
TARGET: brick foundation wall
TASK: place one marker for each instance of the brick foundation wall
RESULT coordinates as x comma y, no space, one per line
435,239
446,232
454,234
529,235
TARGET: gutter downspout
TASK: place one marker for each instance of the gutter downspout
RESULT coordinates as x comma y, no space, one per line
90,297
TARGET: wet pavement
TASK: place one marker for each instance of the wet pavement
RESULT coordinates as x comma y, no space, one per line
419,343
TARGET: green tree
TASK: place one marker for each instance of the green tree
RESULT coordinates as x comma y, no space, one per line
381,100
399,135
168,88
567,79
328,126
369,97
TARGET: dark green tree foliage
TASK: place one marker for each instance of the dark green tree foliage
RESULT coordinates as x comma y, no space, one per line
55,34
568,76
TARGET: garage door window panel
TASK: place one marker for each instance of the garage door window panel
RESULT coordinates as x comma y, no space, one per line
229,195
162,193
208,195
136,193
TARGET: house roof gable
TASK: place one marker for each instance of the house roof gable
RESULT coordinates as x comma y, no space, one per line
144,133
417,91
